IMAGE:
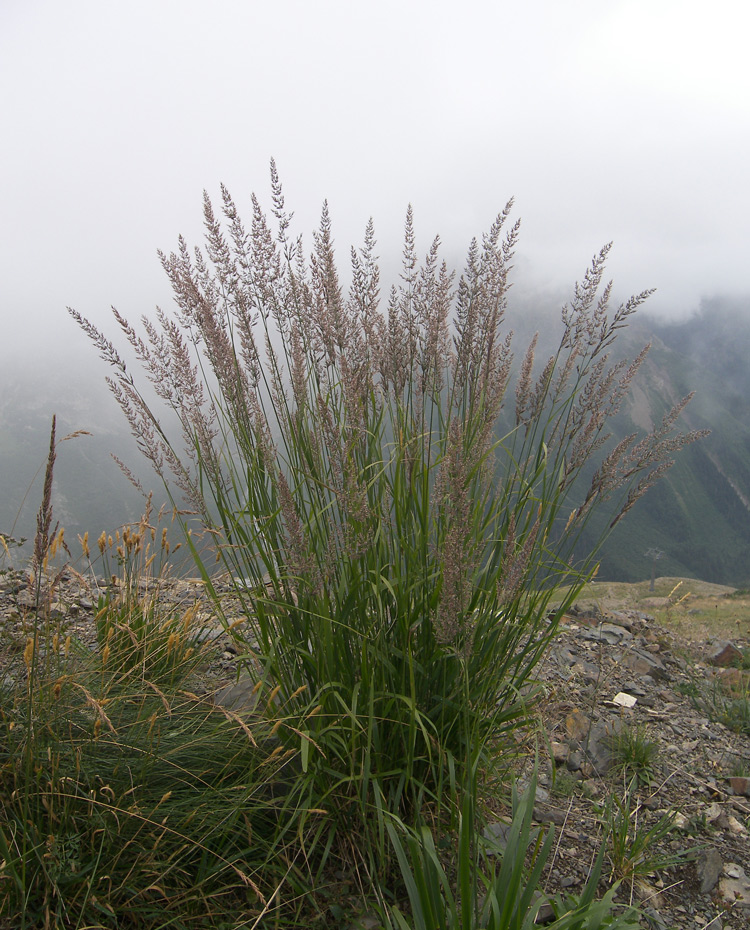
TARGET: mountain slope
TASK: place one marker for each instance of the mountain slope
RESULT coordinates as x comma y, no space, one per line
699,515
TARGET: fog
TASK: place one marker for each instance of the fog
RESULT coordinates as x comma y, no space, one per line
625,121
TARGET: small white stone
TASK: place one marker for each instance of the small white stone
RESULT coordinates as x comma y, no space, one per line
621,699
713,812
680,821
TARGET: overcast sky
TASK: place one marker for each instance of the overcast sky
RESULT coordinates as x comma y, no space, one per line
626,120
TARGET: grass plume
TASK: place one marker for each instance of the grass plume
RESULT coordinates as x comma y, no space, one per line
394,535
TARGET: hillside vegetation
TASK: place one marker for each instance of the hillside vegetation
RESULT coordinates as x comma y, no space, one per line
697,610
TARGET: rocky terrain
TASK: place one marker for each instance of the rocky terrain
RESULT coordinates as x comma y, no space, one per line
639,729
625,697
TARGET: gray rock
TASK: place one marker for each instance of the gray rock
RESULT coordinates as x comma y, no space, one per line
240,696
550,815
609,633
497,834
600,744
563,656
575,761
559,752
588,671
546,912
207,635
708,865
740,785
734,887
632,687
655,919
645,663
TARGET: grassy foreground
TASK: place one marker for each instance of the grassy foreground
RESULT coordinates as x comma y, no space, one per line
130,799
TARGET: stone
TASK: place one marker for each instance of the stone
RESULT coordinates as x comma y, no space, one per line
600,742
588,671
497,834
622,699
240,696
709,866
578,725
546,912
716,816
633,687
559,751
734,887
609,633
643,663
590,616
740,785
207,635
626,620
26,599
723,654
655,920
550,815
564,656
680,821
592,787
575,761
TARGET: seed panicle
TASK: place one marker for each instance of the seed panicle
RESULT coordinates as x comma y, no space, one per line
270,361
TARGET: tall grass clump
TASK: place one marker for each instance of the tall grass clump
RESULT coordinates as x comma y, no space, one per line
498,898
393,498
126,798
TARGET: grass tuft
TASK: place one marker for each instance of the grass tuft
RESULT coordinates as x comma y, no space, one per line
634,755
395,502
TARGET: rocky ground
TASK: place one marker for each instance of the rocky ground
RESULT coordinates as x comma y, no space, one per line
618,690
